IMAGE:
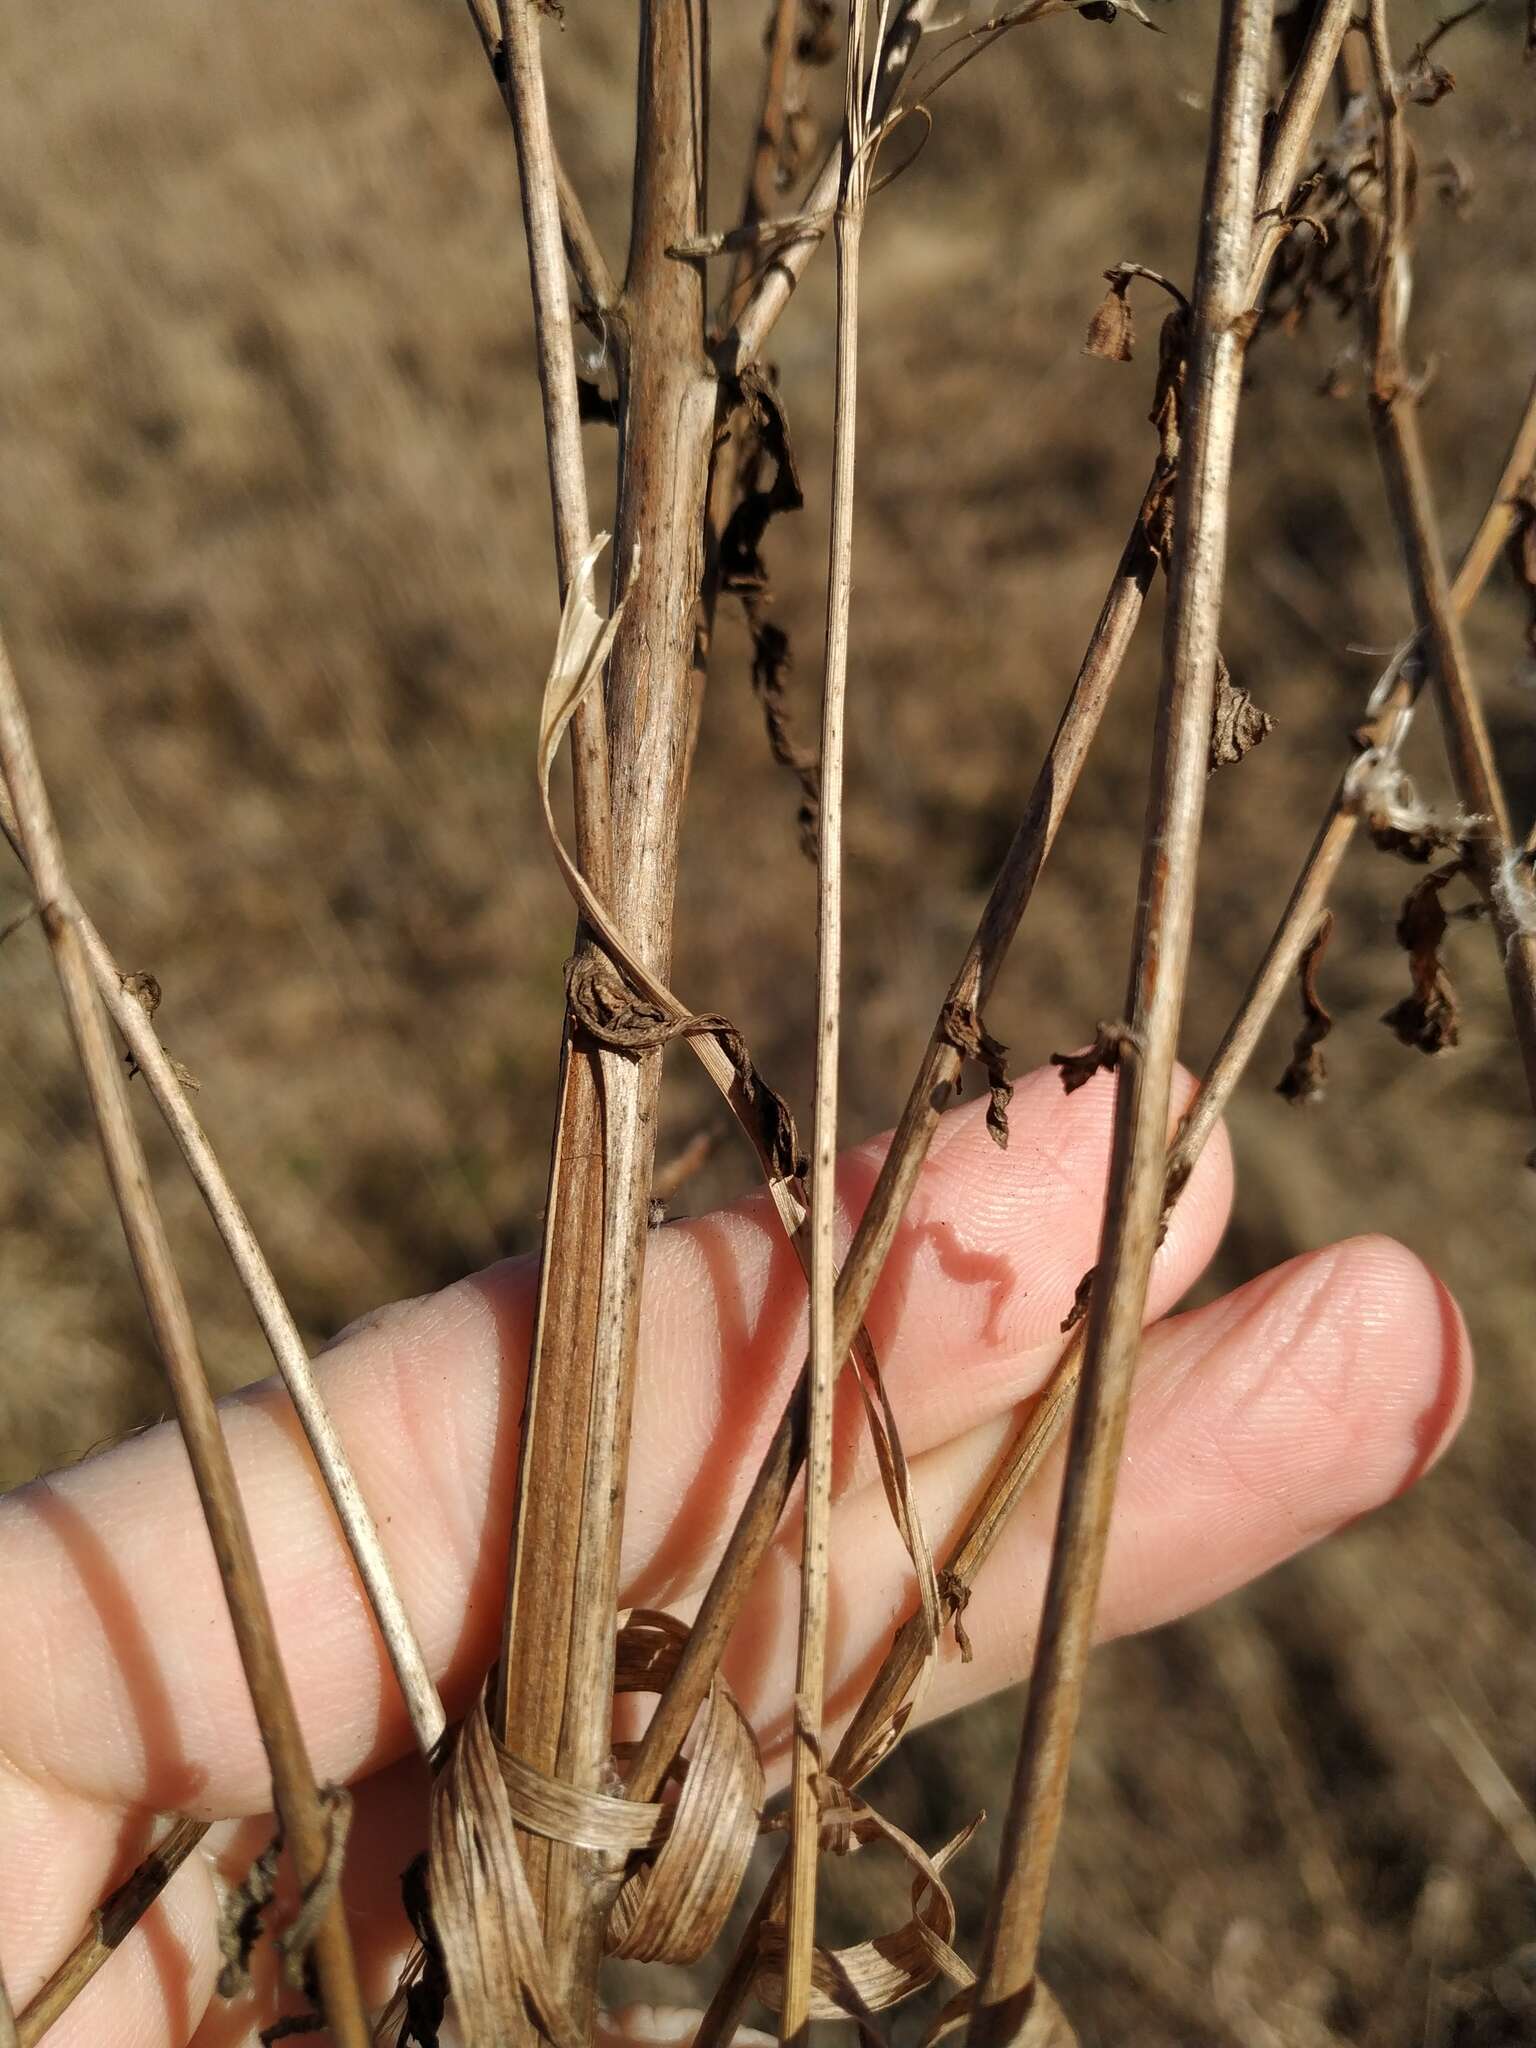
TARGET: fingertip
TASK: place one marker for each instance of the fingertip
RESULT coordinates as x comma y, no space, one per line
1413,1351
1304,1399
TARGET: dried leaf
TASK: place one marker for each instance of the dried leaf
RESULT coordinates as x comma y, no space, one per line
672,1907
482,1911
1522,550
960,1025
1237,725
1080,1301
1303,1079
770,485
957,1597
241,1914
1109,1042
1111,331
868,1977
473,1912
1429,1018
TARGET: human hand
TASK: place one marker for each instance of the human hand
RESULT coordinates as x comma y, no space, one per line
1260,1424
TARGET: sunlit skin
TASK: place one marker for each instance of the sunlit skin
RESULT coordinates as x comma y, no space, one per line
1261,1423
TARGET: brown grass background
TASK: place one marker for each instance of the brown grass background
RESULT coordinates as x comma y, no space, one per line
275,561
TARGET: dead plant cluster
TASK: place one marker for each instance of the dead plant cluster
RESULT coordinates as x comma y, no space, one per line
545,1851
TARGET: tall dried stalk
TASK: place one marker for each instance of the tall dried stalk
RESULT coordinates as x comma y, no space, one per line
897,46
1393,398
165,1085
302,1811
825,1360
556,1682
1218,333
958,1031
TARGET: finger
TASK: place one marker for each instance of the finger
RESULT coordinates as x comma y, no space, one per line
58,1857
1259,1425
138,1695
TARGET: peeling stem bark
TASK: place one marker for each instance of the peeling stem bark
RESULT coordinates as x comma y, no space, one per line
557,1669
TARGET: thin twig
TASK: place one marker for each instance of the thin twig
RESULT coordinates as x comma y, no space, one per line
1218,334
288,1350
940,1070
1394,411
300,1806
760,201
111,1923
825,1359
1299,109
540,181
903,1663
777,283
581,244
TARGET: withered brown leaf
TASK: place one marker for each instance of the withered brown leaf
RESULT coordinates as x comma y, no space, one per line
1307,1072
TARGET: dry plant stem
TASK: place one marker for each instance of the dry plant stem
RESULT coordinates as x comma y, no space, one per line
557,1675
1155,1003
581,244
939,1074
422,1703
762,194
561,1402
110,1924
903,1663
539,178
1304,94
300,1808
1400,449
931,1090
776,285
825,1359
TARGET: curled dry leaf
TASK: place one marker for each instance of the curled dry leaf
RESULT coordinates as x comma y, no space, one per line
681,1862
1396,816
957,1597
1080,1301
1111,331
870,1976
1429,1018
1304,1077
770,485
1522,550
146,992
960,1025
1237,725
1109,1042
242,1911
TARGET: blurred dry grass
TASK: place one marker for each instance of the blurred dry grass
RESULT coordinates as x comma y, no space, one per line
274,555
